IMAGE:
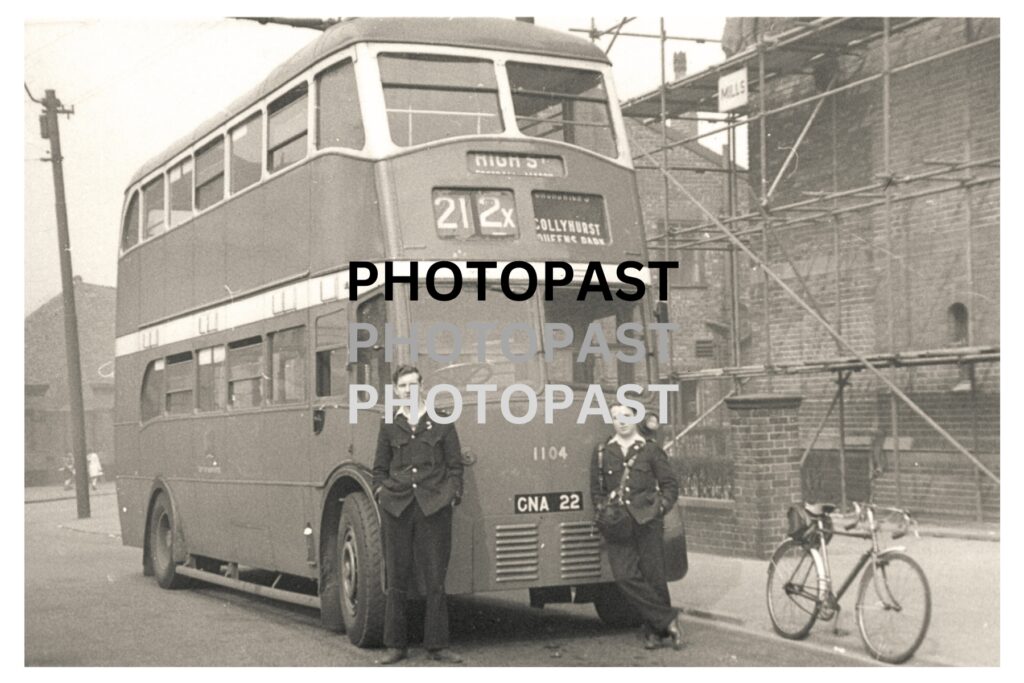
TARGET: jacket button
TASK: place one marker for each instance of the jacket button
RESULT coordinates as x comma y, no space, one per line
412,436
627,502
609,471
414,485
627,488
414,470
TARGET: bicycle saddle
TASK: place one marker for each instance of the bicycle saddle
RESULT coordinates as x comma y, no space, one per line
819,509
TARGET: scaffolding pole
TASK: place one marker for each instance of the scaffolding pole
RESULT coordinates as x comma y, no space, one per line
831,330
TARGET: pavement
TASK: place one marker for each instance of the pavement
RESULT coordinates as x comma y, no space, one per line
960,561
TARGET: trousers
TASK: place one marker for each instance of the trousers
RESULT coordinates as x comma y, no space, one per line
638,566
415,542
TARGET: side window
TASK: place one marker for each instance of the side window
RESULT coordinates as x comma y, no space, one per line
287,124
210,174
130,230
153,390
339,122
372,368
245,372
153,208
180,178
212,383
178,381
331,375
246,146
288,365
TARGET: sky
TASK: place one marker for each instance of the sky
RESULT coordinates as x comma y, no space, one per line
137,86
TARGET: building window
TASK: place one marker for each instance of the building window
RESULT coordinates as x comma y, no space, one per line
245,373
178,381
339,122
331,365
130,231
287,124
958,320
210,174
288,365
152,390
180,178
246,146
153,208
212,384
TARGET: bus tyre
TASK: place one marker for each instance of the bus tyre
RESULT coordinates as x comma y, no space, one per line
360,568
161,544
613,608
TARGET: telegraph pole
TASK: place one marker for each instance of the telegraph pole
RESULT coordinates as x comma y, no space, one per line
50,130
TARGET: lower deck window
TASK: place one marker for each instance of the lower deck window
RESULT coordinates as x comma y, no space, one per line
245,373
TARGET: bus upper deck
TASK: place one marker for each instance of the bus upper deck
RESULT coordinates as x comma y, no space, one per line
357,150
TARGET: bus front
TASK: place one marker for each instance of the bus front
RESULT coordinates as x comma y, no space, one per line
501,157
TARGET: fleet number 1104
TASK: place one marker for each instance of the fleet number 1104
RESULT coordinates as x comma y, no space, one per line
549,453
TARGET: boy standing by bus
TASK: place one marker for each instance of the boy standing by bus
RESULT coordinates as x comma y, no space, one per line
417,479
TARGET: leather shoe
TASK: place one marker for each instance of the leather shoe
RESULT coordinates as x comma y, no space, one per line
675,630
444,655
393,655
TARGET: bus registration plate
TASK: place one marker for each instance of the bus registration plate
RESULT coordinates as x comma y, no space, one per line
527,503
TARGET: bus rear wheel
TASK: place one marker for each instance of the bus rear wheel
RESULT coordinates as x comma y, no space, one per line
161,544
360,565
613,608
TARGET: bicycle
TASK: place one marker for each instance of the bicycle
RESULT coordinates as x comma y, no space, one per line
893,601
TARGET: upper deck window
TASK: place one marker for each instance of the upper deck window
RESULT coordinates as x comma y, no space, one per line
339,123
287,124
210,174
181,192
130,231
153,208
562,104
246,148
430,97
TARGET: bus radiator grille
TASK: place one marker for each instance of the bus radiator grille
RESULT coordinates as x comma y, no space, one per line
517,552
580,551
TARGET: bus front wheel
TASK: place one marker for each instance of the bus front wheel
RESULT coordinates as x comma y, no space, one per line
360,566
161,544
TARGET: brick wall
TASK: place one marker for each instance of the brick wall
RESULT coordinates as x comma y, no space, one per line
945,110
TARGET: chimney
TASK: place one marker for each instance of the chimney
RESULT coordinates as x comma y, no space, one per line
679,64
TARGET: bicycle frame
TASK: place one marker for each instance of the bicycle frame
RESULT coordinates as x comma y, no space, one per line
824,566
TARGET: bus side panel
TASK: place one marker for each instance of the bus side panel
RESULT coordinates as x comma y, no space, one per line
345,218
128,292
208,278
286,223
241,222
285,452
166,264
132,501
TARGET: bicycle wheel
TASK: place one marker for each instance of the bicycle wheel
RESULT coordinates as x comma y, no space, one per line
894,608
793,600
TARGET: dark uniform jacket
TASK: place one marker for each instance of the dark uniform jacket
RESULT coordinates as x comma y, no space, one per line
651,488
421,462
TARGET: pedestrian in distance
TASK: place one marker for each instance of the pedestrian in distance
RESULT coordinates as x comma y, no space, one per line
417,480
648,490
92,460
67,470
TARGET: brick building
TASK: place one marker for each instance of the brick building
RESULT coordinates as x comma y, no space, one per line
908,263
47,406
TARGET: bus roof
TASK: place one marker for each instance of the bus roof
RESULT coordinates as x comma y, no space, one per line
487,34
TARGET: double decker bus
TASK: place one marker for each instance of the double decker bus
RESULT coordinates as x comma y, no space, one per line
383,140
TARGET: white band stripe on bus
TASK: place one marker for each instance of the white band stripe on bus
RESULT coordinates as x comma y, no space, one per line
313,292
